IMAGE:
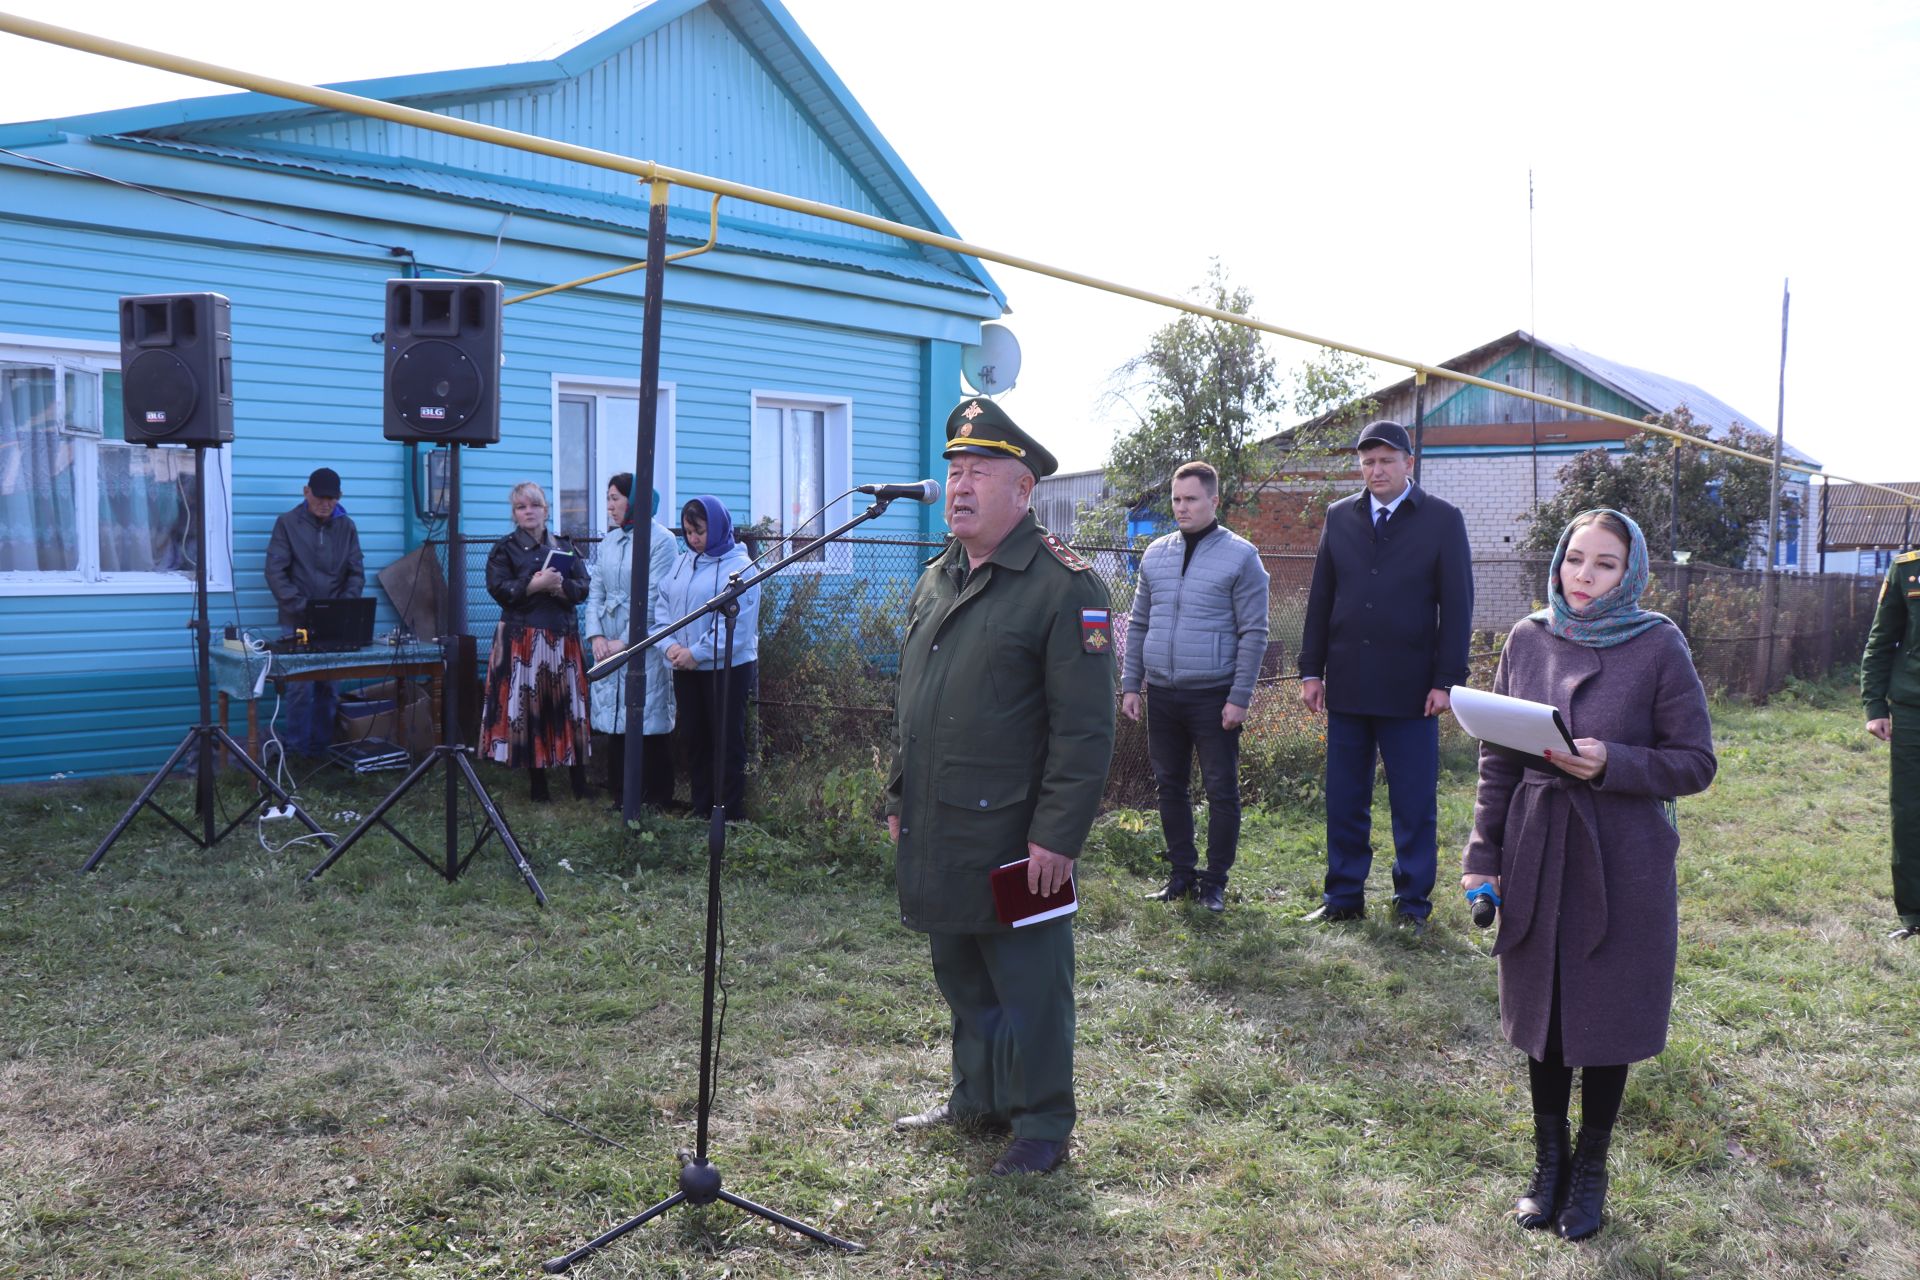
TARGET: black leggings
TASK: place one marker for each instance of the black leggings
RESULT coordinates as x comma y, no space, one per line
1551,1079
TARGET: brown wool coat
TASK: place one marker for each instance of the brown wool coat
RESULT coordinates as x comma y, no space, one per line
1587,869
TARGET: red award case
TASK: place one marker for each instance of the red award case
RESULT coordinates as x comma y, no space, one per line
1019,906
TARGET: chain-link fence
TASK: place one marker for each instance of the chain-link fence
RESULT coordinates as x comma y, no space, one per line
830,642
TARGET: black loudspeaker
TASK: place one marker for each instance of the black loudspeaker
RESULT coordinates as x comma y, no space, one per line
443,361
176,368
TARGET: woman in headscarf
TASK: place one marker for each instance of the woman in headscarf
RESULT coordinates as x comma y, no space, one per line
1582,852
695,654
611,578
535,714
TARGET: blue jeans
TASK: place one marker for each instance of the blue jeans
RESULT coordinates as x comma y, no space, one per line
306,716
1410,749
1180,723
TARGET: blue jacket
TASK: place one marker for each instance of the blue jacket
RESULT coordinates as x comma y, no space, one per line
1389,619
698,577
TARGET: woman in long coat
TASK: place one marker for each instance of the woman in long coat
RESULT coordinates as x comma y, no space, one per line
535,711
611,582
1583,852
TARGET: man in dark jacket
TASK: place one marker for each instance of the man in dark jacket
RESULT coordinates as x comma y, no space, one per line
1890,687
314,554
1003,731
1386,634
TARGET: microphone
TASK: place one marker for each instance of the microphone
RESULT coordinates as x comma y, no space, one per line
1484,903
927,491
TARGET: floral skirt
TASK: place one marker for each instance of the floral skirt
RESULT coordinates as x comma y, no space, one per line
536,704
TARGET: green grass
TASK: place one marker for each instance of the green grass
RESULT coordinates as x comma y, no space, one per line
209,1068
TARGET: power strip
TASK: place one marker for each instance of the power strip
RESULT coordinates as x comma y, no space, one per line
274,812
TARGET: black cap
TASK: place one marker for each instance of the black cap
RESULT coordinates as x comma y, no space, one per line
324,483
1385,433
977,425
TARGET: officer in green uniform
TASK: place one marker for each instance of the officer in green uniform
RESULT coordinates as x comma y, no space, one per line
1003,731
1890,686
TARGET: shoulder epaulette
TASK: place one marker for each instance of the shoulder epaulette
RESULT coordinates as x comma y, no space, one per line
1907,557
1065,554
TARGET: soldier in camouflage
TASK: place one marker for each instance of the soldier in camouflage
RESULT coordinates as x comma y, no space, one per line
1890,688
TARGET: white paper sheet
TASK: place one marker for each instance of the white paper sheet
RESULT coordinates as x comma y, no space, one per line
1530,728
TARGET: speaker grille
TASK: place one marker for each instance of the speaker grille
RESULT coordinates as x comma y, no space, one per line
436,387
159,392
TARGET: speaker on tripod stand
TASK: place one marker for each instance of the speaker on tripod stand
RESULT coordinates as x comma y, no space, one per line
442,387
176,361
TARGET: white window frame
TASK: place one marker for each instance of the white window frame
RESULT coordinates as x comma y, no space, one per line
665,460
102,358
764,499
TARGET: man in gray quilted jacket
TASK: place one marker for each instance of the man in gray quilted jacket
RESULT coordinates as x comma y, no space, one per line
1195,637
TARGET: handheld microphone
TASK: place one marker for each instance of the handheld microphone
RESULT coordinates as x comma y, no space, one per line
927,491
1484,903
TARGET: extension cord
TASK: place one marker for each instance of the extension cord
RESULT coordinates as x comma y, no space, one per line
274,812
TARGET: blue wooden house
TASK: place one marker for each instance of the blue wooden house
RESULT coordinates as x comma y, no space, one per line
800,356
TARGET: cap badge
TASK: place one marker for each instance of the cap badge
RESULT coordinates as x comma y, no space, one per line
966,428
972,411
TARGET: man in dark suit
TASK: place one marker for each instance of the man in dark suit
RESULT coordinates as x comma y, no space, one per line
1388,618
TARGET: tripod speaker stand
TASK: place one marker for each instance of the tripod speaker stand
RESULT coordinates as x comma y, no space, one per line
452,750
203,737
699,1177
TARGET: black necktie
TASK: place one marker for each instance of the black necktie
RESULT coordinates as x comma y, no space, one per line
1380,518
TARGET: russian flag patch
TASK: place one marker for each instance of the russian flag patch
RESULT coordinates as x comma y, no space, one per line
1096,630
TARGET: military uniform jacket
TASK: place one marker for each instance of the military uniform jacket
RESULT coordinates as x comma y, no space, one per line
1003,724
1889,671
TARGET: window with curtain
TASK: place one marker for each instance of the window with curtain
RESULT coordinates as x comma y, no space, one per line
78,504
802,458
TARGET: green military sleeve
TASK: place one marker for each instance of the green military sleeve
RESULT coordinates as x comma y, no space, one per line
1884,641
1080,683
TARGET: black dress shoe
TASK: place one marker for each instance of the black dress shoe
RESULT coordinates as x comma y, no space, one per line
1213,897
1408,920
1177,887
943,1114
1546,1191
1326,913
1586,1204
1029,1155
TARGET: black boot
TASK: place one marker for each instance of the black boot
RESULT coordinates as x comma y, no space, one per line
1586,1186
1547,1192
537,786
577,778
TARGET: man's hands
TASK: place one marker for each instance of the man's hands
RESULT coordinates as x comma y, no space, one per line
1313,693
1470,882
1130,706
1232,717
1881,727
1046,870
1438,700
1588,765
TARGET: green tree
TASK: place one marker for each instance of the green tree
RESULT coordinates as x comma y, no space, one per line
1203,388
1722,508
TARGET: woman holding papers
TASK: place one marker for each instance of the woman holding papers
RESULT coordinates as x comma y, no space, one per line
535,714
696,653
1583,854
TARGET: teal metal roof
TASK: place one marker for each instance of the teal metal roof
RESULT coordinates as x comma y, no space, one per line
747,60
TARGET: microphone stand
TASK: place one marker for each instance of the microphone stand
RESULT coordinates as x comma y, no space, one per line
699,1177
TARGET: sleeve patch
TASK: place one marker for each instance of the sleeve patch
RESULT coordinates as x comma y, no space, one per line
1096,631
1065,554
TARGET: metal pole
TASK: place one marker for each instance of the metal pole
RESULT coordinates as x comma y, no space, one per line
1419,422
1779,440
203,632
639,597
1826,495
455,615
1673,503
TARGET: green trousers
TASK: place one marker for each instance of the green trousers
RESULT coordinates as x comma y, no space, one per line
1904,801
1013,1020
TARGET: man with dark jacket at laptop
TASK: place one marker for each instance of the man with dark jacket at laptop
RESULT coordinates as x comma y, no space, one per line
314,554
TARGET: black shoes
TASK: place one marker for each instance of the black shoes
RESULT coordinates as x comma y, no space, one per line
1547,1191
1583,1212
1329,914
1029,1155
1213,897
1904,932
942,1114
1179,885
1408,920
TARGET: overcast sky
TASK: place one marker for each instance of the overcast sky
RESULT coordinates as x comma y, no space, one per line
1361,168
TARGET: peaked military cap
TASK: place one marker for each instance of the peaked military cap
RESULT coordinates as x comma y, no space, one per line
977,425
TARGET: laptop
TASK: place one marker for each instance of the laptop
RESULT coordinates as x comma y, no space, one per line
334,626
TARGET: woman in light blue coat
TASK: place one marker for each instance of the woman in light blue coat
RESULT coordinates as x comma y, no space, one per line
611,581
695,654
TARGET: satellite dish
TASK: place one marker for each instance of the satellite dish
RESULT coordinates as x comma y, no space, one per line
991,366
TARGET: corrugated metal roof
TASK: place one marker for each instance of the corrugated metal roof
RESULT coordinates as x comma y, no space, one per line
1863,519
577,207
